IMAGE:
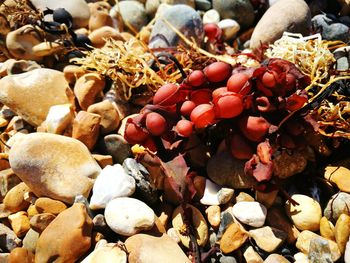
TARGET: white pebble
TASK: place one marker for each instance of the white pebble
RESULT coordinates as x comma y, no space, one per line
229,28
210,196
250,213
58,118
211,16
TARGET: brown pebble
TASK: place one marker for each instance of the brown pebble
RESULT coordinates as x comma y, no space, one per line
213,215
48,205
233,238
21,255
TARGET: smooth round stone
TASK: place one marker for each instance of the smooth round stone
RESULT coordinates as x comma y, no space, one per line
58,118
112,182
233,238
268,238
106,253
133,13
240,10
301,258
211,16
342,231
250,255
46,49
337,205
250,213
55,166
291,16
327,229
199,224
203,5
118,147
213,215
306,215
127,216
99,36
14,199
229,28
22,255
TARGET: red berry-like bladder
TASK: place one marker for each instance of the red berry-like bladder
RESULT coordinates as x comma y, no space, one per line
239,83
212,31
218,92
268,79
135,134
167,95
254,128
201,96
155,123
196,78
184,128
217,71
187,107
228,105
203,115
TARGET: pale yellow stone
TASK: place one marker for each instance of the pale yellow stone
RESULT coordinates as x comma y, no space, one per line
19,223
342,231
340,176
327,229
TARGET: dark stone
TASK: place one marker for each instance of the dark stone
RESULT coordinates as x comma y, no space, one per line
116,146
204,5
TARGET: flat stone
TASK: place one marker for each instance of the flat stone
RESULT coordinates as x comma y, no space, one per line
304,241
198,223
14,199
306,215
73,227
144,248
250,213
233,238
128,216
339,175
342,231
40,221
327,229
48,205
19,223
112,182
31,94
337,205
55,166
285,15
268,238
8,239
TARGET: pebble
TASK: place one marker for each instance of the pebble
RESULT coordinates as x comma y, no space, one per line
189,23
306,215
327,229
319,251
213,215
20,254
40,221
86,128
242,196
12,66
338,204
251,256
268,238
31,94
72,73
276,258
240,10
342,231
48,205
285,15
116,145
151,7
199,183
343,61
103,160
30,240
112,182
73,227
14,199
46,49
225,170
233,238
58,118
21,41
215,195
19,223
144,248
301,258
134,14
250,213
229,28
226,219
99,36
99,15
108,253
203,5
88,88
109,116
304,241
211,16
127,216
144,186
55,166
8,239
78,9
340,176
199,224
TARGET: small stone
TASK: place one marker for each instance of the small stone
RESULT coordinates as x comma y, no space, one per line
285,15
39,222
342,231
203,5
211,16
210,196
48,205
21,41
72,73
341,55
251,256
240,10
144,248
225,170
229,28
8,239
277,219
266,198
319,251
22,255
46,49
133,13
32,211
225,195
198,223
86,128
213,215
30,240
151,7
55,166
337,205
14,199
99,36
250,213
19,223
173,234
244,197
306,215
340,176
88,88
103,160
109,116
127,216
99,15
31,94
118,147
327,229
112,182
304,242
268,238
73,227
189,23
276,258
233,238
58,118
301,258
108,253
